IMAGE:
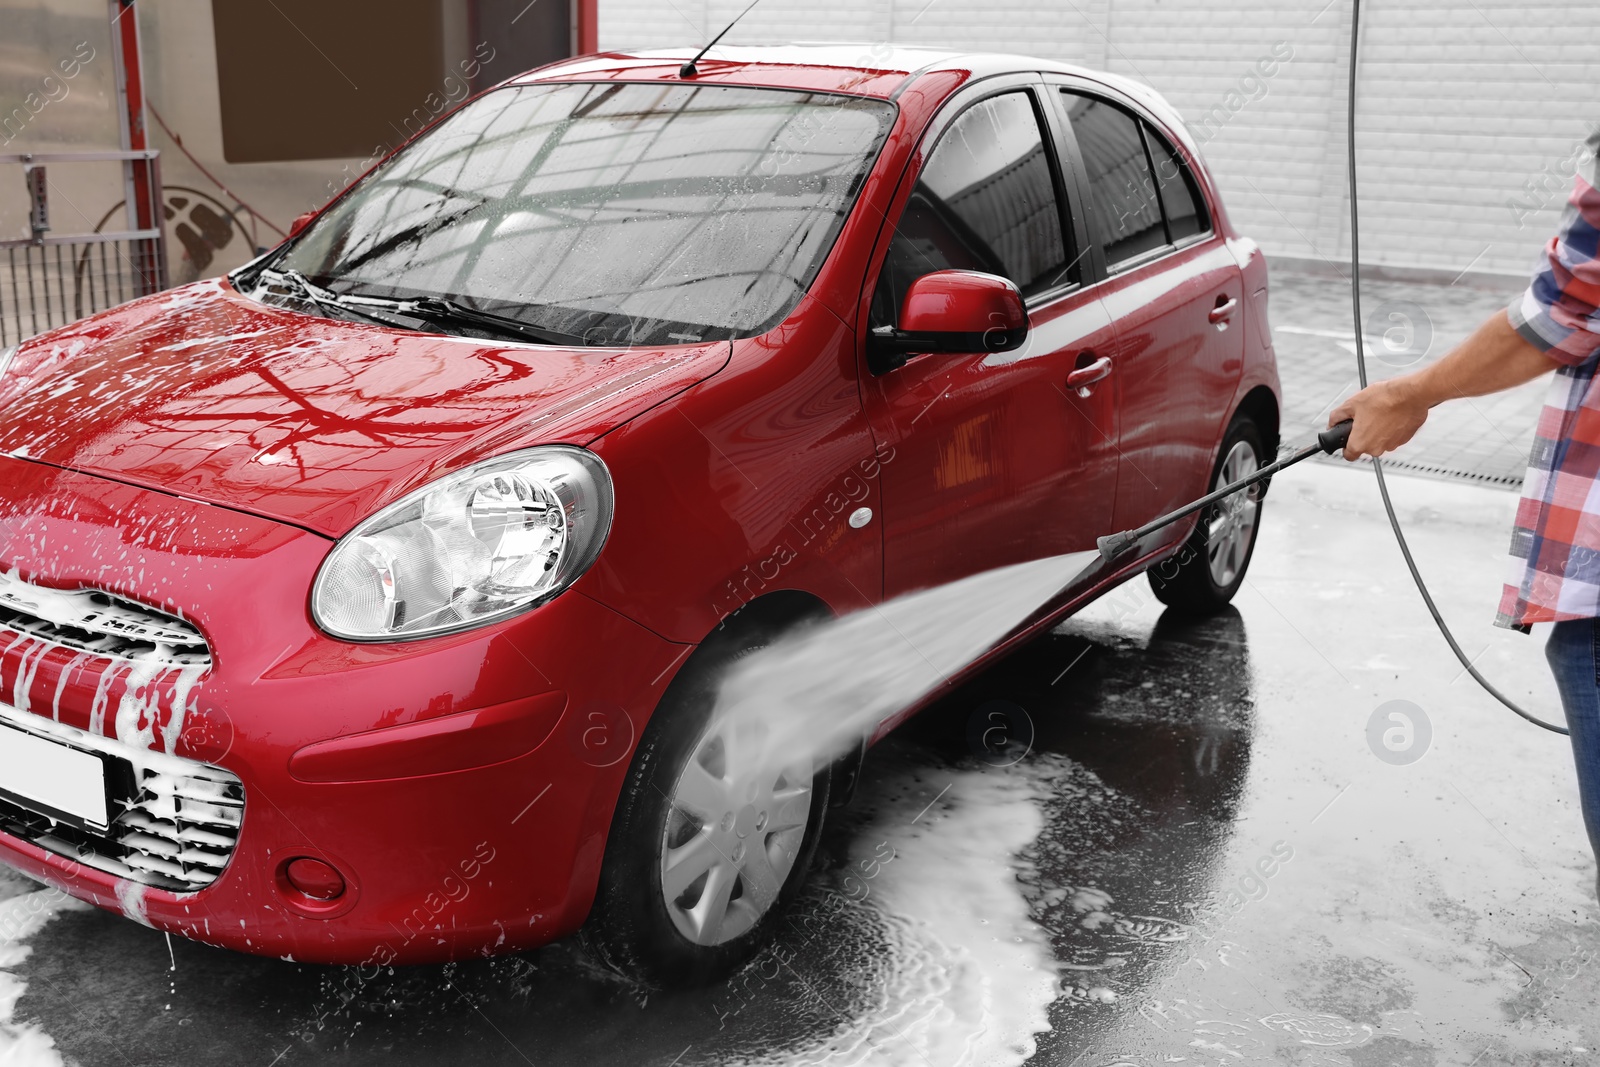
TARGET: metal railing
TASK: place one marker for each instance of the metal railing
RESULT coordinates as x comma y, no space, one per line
49,280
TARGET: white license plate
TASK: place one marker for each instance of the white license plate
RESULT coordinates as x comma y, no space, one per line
51,778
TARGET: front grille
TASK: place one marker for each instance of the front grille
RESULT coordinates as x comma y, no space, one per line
174,821
88,620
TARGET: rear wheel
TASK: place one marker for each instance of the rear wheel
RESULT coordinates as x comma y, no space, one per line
1205,574
707,847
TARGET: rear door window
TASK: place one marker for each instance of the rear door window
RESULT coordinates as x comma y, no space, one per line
986,200
1124,204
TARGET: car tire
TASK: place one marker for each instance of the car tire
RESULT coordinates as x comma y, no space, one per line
635,927
1208,570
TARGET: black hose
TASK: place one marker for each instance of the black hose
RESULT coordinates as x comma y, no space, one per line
1361,370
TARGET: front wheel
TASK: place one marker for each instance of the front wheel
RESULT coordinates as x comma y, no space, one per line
1205,574
732,837
707,845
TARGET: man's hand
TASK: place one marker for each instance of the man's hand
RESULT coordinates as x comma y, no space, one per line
1387,414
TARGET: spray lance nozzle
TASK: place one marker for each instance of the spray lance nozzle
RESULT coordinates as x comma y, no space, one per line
1329,441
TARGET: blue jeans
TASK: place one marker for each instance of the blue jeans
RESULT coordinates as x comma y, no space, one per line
1574,655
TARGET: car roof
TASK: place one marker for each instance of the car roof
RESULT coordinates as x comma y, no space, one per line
863,69
878,69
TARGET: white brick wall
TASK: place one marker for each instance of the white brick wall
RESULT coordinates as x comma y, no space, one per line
1461,103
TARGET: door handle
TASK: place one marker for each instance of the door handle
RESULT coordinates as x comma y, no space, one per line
1223,311
1088,374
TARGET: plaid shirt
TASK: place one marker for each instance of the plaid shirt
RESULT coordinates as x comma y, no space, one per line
1555,544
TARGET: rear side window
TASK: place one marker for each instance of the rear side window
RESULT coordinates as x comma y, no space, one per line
986,200
1180,194
1124,205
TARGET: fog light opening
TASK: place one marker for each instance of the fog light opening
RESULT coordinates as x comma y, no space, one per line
316,879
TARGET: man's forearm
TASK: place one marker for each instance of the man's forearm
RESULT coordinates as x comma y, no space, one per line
1493,358
1389,412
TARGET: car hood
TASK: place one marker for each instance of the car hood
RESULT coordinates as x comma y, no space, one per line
201,392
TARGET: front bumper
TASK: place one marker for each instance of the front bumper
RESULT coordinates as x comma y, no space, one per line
462,786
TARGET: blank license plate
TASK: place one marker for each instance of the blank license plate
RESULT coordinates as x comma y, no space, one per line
51,778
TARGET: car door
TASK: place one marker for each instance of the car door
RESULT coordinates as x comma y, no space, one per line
990,463
1174,291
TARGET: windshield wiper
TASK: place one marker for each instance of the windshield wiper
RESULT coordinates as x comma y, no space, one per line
432,309
437,309
323,298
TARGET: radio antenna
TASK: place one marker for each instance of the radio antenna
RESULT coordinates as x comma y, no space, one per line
689,70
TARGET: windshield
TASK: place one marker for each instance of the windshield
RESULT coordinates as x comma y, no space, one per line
618,214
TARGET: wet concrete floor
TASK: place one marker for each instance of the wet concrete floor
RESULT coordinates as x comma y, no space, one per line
1140,840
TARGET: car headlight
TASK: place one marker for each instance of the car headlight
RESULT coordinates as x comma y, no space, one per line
6,355
474,547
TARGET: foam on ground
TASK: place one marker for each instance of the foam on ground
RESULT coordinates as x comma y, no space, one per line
965,976
23,914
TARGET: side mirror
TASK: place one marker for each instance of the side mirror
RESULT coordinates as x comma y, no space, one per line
951,311
301,221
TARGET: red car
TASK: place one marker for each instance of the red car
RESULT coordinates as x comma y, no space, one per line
364,606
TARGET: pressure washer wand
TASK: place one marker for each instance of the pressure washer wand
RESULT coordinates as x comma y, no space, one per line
1328,442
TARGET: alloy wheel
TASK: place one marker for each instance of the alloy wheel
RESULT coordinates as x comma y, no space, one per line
1232,524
